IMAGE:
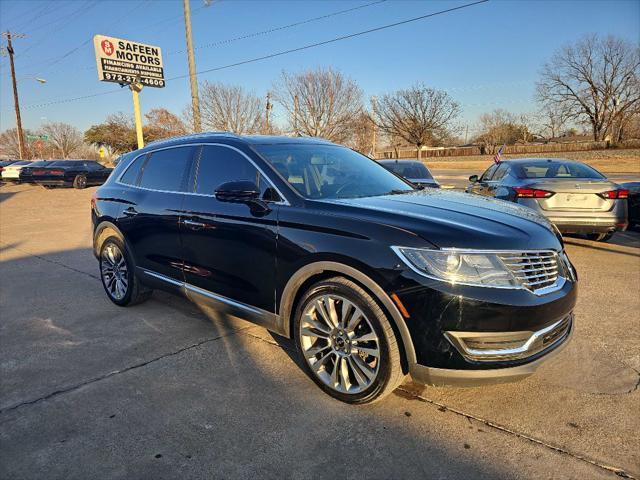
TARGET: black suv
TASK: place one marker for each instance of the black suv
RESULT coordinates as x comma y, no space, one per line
371,278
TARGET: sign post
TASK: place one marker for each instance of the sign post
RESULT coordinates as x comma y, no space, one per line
129,63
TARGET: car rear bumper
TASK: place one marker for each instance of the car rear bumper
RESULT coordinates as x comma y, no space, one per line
584,221
590,224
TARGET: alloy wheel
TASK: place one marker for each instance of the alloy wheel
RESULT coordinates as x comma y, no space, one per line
113,268
339,343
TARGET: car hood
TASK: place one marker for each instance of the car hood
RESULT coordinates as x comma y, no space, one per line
459,220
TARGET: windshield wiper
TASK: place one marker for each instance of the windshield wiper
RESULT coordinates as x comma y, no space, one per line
398,192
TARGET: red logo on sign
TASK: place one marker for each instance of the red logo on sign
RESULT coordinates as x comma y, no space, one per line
107,47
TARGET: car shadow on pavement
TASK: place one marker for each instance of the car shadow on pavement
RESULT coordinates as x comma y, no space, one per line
168,389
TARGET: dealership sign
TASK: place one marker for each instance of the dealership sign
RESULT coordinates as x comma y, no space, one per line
127,62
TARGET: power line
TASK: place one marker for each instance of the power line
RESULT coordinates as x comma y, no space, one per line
333,40
284,52
51,62
283,27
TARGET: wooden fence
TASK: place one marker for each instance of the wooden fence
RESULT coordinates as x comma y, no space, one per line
508,149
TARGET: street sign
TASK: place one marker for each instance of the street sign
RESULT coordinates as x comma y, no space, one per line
127,62
44,137
102,152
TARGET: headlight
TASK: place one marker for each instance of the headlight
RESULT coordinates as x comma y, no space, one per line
459,267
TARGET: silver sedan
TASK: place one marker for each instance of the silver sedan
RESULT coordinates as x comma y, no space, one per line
574,196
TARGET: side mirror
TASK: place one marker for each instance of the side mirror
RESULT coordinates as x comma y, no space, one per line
473,178
238,192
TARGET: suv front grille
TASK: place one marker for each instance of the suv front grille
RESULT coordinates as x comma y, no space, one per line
533,270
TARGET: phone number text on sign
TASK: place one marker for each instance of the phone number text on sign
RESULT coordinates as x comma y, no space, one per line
117,77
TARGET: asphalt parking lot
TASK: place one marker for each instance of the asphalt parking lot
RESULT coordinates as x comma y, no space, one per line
169,390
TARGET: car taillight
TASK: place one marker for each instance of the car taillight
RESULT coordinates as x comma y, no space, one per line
523,192
615,194
56,172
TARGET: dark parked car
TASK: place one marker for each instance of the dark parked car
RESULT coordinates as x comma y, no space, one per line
412,170
574,196
633,203
25,174
68,173
371,278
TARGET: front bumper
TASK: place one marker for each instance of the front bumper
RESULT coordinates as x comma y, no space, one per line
469,378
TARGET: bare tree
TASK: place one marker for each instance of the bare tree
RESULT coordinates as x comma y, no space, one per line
161,123
419,115
503,128
554,121
64,137
9,145
230,108
362,134
320,103
597,80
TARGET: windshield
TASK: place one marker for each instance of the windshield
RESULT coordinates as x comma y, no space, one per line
409,170
330,171
40,163
548,169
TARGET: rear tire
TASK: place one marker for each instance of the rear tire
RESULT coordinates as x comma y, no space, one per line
346,343
80,182
117,273
600,237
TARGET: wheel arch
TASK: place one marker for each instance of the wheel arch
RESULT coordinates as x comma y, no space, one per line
104,230
321,270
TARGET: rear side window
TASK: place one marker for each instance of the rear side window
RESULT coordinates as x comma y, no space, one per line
130,177
167,169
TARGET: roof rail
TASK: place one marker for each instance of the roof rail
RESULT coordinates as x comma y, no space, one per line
193,136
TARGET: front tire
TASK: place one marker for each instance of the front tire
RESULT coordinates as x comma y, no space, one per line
346,343
118,276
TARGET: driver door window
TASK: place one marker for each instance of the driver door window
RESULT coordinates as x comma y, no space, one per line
218,165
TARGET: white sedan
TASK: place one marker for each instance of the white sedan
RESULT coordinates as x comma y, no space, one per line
11,173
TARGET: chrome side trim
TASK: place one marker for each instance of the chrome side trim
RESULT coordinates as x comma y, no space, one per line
284,200
256,315
164,278
222,299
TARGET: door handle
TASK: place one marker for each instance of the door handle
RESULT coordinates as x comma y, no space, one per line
130,212
193,225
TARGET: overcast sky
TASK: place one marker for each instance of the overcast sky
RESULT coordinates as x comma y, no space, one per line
487,56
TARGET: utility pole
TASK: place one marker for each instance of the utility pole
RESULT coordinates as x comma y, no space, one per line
268,113
374,107
466,134
16,101
295,115
195,102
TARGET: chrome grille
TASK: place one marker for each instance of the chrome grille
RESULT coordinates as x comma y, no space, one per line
533,270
